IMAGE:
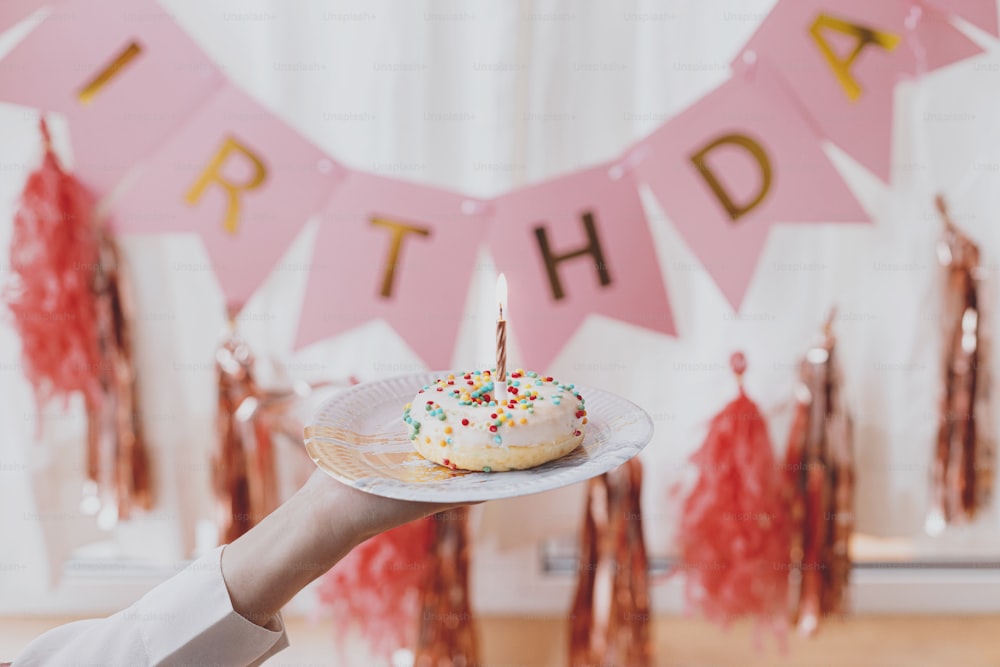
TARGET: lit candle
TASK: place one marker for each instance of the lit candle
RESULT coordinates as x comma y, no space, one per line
500,381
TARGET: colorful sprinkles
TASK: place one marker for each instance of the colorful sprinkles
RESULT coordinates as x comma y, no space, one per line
475,389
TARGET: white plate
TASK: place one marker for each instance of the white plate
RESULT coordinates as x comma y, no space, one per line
359,438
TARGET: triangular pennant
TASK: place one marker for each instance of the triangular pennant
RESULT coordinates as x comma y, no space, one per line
573,246
843,59
393,250
241,179
980,13
738,161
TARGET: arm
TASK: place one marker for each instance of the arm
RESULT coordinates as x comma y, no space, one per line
304,538
223,609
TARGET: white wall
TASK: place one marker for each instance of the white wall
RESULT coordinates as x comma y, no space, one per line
483,96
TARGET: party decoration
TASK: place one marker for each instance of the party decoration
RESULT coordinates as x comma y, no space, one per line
13,11
980,13
71,303
819,478
243,465
249,419
962,472
53,253
130,482
241,179
377,587
609,622
447,633
848,92
397,251
124,74
735,163
743,158
408,587
573,246
734,532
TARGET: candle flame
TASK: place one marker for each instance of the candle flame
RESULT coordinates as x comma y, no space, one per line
502,293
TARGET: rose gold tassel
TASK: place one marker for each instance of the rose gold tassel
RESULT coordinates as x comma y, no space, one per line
447,634
129,474
962,472
609,624
819,467
243,466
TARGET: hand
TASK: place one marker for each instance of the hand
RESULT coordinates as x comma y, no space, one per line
365,514
304,538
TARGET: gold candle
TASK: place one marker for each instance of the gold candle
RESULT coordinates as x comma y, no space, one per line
500,381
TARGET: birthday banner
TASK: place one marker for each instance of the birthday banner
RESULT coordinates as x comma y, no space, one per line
211,161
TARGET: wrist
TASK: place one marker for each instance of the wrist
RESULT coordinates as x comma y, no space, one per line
332,521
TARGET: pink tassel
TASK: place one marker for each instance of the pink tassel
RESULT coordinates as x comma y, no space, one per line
376,588
734,533
71,303
53,256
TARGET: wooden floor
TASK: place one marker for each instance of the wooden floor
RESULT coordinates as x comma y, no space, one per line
911,641
871,641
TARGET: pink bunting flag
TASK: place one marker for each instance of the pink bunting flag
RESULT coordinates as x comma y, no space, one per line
12,11
398,251
843,58
240,178
573,246
122,71
738,161
980,13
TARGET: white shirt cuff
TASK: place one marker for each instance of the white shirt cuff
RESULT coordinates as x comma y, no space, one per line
190,619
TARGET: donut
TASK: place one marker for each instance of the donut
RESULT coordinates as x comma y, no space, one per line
456,421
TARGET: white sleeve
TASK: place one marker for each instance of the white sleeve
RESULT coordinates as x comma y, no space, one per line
188,619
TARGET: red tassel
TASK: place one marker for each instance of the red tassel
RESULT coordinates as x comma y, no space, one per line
53,255
376,587
734,533
72,306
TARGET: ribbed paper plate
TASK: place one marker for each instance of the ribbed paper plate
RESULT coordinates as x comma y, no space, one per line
359,438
